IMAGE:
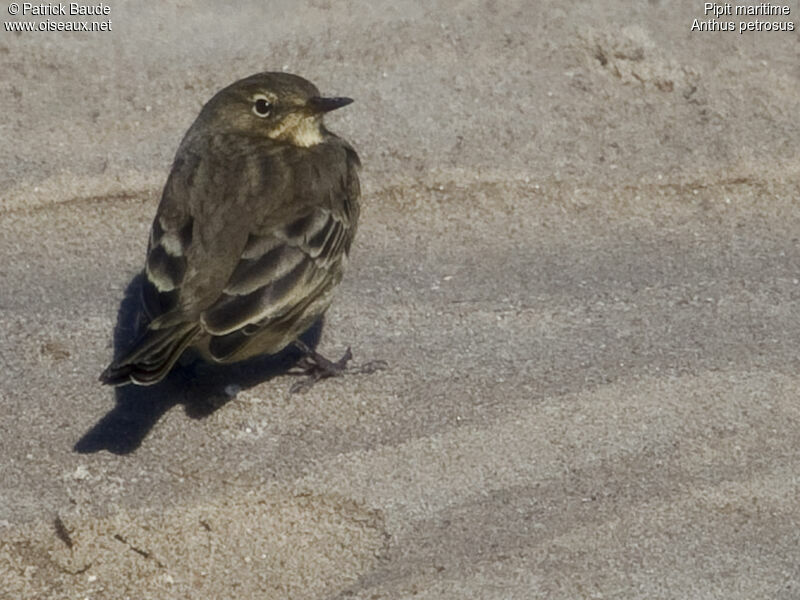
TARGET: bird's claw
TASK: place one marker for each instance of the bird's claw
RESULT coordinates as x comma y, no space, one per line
317,367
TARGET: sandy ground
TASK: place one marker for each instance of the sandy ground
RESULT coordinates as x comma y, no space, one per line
578,253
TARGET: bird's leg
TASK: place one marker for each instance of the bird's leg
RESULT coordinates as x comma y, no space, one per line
317,367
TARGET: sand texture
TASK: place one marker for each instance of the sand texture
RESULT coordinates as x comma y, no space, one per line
578,254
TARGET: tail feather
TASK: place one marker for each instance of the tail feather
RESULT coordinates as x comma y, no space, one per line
152,356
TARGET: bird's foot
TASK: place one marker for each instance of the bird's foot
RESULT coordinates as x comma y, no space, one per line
316,367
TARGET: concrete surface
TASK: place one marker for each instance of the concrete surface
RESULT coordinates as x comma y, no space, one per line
578,252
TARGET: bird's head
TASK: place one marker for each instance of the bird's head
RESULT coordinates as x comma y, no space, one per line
280,106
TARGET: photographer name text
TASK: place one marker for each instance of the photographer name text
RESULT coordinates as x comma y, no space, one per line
50,9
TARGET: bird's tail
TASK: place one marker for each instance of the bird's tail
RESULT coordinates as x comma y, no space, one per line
152,356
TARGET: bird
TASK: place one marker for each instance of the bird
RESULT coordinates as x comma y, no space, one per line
252,233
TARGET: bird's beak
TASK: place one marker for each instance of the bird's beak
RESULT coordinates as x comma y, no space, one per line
320,104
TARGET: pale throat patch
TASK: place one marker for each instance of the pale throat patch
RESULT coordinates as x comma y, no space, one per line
300,130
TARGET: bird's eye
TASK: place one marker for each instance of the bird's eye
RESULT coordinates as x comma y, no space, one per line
262,107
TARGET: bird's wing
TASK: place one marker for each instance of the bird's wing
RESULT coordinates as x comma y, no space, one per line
213,194
291,262
246,237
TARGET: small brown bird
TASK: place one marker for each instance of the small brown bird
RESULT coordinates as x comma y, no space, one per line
252,232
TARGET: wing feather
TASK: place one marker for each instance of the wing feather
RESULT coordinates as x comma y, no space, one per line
269,301
243,254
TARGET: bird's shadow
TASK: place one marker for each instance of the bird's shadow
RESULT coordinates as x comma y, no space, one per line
199,387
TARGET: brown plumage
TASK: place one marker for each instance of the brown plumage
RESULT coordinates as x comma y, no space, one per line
253,229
